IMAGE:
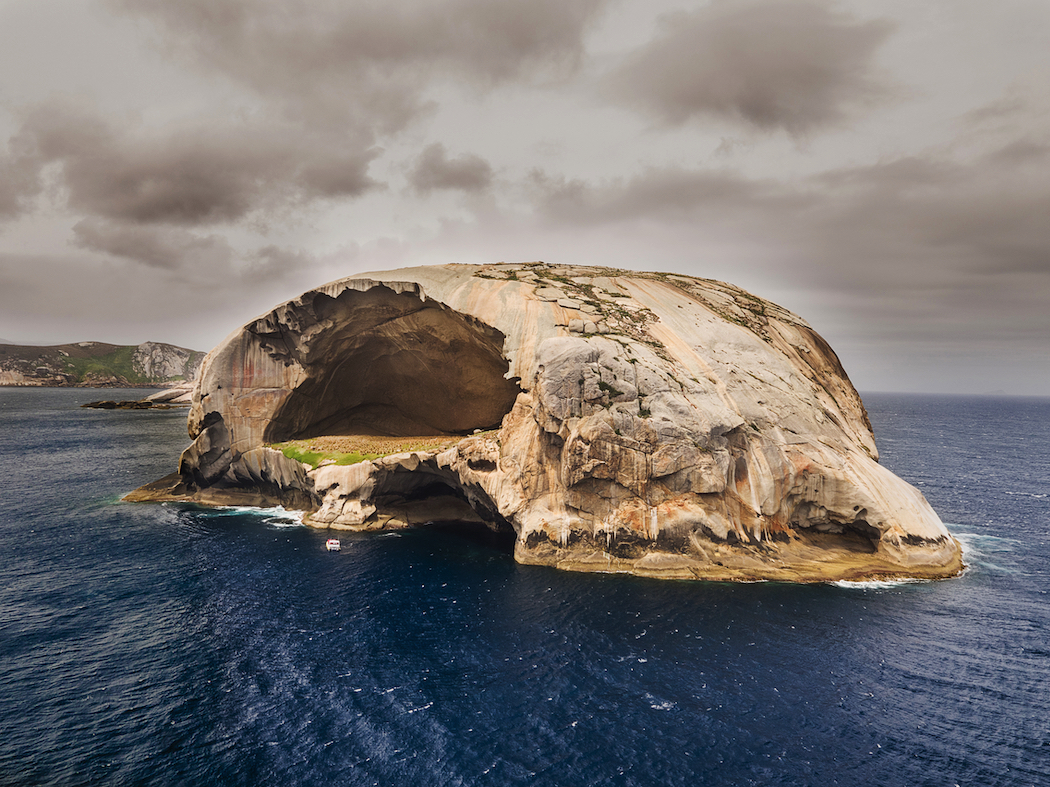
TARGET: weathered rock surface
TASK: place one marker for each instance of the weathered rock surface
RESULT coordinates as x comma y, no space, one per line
159,362
650,423
179,394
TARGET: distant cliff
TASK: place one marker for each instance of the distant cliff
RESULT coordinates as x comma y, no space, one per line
97,364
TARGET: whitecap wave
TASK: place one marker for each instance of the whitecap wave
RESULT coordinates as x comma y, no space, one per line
878,584
276,516
985,541
979,548
656,703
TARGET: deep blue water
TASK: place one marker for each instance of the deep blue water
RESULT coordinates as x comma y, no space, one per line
155,645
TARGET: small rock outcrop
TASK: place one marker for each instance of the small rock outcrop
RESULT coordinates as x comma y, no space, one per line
655,424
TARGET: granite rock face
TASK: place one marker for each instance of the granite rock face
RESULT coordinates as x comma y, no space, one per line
613,421
157,361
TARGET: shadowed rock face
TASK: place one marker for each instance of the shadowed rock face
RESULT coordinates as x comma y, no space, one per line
650,423
391,364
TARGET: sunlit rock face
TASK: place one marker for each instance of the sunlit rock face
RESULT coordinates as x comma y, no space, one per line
613,421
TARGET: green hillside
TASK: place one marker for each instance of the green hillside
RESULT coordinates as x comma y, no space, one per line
97,364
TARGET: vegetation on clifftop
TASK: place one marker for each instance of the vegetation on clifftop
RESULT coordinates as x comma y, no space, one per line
118,363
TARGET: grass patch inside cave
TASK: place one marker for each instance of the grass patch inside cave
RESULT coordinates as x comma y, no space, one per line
351,449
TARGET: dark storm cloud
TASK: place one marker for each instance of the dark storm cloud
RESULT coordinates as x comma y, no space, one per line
212,172
435,170
796,65
371,60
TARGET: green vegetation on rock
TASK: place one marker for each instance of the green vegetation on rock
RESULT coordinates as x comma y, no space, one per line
118,363
300,453
351,449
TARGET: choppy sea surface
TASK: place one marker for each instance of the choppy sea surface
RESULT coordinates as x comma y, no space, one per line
172,645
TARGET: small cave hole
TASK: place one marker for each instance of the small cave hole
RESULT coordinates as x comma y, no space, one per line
477,534
438,503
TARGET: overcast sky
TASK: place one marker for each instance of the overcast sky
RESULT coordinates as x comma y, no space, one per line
168,170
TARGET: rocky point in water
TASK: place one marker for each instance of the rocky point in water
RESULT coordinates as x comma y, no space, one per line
650,423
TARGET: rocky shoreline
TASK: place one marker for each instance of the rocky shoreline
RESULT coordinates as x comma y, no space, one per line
131,404
179,396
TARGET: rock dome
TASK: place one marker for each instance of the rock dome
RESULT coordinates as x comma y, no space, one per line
650,423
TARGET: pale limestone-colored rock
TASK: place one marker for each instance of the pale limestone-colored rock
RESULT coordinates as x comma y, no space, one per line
179,394
16,378
695,430
159,361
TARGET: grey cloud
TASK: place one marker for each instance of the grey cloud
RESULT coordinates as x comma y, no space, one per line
213,172
796,65
985,216
336,174
1028,152
435,170
371,60
276,262
72,297
981,216
664,193
169,248
19,179
1010,106
179,251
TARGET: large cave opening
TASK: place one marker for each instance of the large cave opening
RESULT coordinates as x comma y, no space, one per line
380,362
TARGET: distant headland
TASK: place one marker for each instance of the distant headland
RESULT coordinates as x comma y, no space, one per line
97,365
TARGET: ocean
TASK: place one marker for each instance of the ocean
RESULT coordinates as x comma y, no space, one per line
145,644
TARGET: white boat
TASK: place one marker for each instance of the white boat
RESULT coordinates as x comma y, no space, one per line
332,545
